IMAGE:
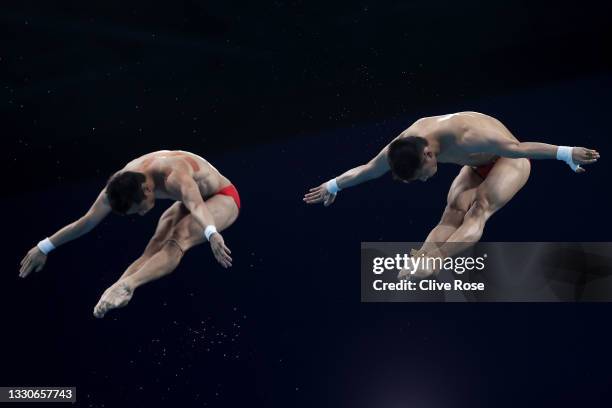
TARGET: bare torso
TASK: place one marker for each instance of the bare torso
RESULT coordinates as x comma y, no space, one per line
159,164
449,133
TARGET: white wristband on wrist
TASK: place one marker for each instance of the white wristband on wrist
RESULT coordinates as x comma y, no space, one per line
211,229
564,153
332,186
46,246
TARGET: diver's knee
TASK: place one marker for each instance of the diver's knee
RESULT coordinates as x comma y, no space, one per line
156,243
174,246
452,216
481,206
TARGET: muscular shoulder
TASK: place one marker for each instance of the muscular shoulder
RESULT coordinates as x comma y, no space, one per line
177,178
169,164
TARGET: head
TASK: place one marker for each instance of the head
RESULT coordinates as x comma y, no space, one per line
411,158
129,193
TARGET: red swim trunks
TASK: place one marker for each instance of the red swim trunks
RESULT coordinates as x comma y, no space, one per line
483,171
231,192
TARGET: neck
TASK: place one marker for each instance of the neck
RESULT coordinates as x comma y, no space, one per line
434,146
151,181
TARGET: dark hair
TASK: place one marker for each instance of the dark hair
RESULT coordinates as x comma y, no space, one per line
405,156
125,189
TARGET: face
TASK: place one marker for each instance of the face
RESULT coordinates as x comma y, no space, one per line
147,203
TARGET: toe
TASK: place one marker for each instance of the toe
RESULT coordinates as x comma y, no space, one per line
100,309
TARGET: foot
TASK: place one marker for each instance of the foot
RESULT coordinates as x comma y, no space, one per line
118,295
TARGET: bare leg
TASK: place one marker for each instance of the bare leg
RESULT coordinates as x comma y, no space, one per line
119,294
185,234
159,265
460,197
166,223
137,264
506,178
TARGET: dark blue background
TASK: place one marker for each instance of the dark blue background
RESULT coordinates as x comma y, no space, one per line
303,338
287,96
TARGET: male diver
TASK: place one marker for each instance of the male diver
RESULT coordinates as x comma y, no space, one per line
206,203
495,166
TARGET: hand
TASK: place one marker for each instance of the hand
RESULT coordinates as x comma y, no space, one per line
581,155
220,251
33,261
318,195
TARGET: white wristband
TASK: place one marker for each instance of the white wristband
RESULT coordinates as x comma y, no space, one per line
564,153
332,186
211,229
46,246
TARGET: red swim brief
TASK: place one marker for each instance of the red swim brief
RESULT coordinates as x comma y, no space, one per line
231,192
483,171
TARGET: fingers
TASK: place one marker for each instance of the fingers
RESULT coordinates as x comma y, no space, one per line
312,194
25,259
588,156
313,199
593,153
224,262
226,249
24,265
25,268
226,254
315,196
222,254
314,191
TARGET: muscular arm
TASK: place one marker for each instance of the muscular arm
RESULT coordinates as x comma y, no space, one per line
97,212
182,184
35,259
357,175
503,146
365,172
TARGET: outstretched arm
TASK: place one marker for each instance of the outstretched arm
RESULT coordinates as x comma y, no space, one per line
369,171
37,256
504,147
326,192
182,184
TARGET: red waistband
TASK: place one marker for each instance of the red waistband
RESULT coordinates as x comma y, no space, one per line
231,192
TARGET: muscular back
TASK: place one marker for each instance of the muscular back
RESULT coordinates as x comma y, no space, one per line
459,135
161,163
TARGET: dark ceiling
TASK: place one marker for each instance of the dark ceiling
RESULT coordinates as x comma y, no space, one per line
86,86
